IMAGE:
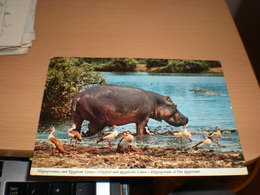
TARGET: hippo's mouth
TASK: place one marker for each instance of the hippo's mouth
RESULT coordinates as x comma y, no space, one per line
177,119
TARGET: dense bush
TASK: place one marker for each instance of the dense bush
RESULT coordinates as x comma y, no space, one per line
214,64
66,76
189,66
151,63
183,66
118,65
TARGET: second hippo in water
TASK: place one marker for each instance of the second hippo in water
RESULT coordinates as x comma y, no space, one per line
107,105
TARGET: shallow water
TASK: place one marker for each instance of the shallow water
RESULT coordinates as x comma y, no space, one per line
204,110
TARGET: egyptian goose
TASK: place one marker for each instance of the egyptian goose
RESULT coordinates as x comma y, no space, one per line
55,141
216,135
126,142
109,137
74,134
183,135
203,143
147,131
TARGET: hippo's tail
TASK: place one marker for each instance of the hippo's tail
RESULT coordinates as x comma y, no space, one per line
74,103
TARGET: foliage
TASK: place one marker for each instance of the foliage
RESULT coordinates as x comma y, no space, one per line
141,60
189,66
66,77
96,61
183,66
118,65
151,63
214,64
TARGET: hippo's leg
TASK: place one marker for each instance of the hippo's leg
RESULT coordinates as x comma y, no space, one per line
78,120
94,128
140,127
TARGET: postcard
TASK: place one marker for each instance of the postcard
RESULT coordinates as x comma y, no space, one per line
121,117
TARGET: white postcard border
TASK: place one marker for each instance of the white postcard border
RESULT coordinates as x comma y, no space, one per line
137,172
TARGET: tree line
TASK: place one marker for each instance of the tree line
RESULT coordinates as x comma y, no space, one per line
153,65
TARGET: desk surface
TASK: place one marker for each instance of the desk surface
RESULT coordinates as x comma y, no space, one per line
177,29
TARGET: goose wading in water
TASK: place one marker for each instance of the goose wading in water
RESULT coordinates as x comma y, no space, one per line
109,137
216,135
56,144
182,135
126,142
74,134
203,143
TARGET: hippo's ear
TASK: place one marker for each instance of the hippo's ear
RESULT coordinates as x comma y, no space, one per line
168,99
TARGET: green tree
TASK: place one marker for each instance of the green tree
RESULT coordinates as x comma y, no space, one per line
151,63
66,77
214,64
183,66
118,65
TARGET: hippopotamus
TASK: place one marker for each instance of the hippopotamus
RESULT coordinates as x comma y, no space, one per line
107,105
201,90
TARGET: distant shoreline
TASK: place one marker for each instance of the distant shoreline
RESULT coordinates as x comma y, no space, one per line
143,68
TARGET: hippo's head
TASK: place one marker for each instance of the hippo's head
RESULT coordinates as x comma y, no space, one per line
177,119
167,111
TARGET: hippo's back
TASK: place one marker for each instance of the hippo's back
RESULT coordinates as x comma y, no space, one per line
114,95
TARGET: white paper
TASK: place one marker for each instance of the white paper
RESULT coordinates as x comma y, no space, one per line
14,22
2,10
14,51
17,26
29,34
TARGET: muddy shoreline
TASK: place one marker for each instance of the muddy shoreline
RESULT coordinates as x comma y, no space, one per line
140,157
